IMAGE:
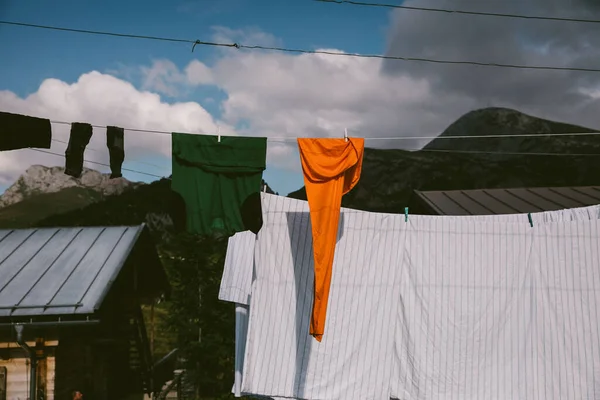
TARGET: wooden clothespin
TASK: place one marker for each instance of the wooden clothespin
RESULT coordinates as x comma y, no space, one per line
405,214
346,134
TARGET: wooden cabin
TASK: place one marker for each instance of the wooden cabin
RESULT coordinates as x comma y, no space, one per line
70,312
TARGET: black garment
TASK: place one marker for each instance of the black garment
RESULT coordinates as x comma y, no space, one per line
177,211
22,131
251,211
115,142
81,133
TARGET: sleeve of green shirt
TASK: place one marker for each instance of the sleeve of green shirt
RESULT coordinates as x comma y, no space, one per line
216,179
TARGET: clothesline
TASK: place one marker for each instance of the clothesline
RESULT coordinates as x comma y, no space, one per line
505,153
115,159
99,163
163,176
121,130
293,138
102,151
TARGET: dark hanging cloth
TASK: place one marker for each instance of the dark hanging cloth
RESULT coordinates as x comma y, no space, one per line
219,182
115,142
177,211
81,133
22,131
251,211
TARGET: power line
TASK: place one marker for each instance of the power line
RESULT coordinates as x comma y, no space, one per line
447,11
101,151
418,150
304,51
522,135
504,153
97,163
292,138
127,129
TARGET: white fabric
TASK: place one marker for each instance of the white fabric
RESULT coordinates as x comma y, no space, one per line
237,272
239,260
500,312
241,331
457,305
564,360
354,358
463,310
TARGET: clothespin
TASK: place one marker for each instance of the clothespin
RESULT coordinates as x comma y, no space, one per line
405,214
218,134
346,134
265,188
530,220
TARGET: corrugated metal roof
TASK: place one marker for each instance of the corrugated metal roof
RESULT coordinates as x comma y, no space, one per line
60,271
509,201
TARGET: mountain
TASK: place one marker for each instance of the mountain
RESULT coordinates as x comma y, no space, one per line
37,207
504,121
28,199
39,179
390,177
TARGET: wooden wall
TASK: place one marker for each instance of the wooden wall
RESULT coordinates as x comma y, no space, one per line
17,365
93,359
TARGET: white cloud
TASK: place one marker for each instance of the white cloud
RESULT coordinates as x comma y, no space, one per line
316,95
103,100
286,95
163,76
549,94
197,73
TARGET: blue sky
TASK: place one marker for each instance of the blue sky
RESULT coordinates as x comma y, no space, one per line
34,55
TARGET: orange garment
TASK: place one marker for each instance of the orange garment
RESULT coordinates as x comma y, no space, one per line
331,169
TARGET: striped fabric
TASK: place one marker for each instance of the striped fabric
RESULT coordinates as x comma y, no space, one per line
436,308
461,310
355,357
237,273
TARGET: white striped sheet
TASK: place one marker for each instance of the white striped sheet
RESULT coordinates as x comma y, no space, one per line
241,330
239,260
243,244
354,359
236,281
477,313
463,303
564,352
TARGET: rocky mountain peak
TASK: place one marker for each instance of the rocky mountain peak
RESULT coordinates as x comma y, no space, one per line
39,179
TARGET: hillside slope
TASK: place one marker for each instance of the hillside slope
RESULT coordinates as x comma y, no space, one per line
35,208
503,121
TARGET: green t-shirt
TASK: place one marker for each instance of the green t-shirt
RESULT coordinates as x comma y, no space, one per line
216,179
